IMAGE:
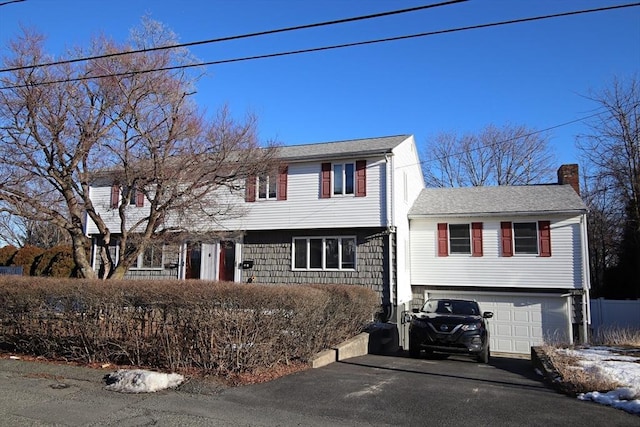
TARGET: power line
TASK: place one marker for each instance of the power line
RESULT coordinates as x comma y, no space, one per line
241,36
324,48
449,155
11,1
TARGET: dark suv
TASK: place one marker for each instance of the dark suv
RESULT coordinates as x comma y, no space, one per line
450,326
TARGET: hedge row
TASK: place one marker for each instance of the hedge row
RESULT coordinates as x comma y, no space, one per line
53,262
219,328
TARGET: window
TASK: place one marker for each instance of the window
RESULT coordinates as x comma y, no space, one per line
343,178
459,239
136,197
324,253
150,258
267,187
525,237
522,238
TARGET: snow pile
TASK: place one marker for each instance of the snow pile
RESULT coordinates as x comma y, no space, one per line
141,381
604,362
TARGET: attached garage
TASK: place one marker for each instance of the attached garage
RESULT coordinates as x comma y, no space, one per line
520,320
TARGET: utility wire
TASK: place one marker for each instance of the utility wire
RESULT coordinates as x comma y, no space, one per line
318,49
449,155
242,36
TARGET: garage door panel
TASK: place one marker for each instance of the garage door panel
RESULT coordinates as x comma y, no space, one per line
520,321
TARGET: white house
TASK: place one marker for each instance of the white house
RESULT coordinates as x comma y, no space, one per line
356,212
333,213
520,251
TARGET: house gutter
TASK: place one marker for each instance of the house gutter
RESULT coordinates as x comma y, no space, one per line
495,214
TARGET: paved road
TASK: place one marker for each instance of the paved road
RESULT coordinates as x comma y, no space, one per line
363,391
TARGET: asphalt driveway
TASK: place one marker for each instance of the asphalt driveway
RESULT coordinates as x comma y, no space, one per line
366,390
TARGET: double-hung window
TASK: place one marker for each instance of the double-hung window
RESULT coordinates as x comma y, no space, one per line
343,178
525,237
459,239
324,253
267,186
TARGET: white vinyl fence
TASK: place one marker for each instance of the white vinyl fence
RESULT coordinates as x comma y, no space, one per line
608,313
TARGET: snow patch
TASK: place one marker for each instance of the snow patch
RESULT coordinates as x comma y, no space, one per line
622,398
140,381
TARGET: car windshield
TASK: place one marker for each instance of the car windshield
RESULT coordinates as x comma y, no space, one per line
451,307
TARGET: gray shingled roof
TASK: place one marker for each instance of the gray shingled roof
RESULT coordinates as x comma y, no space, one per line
497,200
359,147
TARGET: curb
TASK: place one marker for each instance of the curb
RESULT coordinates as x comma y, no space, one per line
353,347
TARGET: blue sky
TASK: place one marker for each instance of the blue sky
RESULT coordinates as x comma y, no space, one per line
536,74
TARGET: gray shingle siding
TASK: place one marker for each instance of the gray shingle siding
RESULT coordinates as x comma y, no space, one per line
271,253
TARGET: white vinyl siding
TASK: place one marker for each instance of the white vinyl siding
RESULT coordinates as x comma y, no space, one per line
561,270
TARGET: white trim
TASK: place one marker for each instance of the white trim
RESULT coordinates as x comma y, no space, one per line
323,259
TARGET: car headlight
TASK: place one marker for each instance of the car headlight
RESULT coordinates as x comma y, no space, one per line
471,327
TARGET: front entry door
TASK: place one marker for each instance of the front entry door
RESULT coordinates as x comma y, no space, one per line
227,261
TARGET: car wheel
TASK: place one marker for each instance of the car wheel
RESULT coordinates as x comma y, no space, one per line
484,355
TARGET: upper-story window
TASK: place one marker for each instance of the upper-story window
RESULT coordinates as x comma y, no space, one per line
268,186
343,179
136,197
464,239
525,238
459,239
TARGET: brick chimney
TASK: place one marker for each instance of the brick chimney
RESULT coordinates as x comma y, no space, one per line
568,174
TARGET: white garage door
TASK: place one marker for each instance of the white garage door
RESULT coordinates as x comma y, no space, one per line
520,321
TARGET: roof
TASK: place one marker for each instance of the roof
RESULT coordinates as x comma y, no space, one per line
349,148
493,201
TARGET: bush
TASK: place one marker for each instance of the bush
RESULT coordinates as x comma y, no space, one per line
6,254
221,328
55,262
26,257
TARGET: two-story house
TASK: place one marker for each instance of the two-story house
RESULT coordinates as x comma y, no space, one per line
332,213
520,251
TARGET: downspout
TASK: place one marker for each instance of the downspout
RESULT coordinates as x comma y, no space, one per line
586,280
388,157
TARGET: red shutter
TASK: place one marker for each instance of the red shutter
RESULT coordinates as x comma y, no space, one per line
544,234
476,239
506,241
250,189
115,196
139,199
282,182
443,239
361,178
325,181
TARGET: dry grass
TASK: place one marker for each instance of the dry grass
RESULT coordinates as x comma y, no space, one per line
575,378
619,337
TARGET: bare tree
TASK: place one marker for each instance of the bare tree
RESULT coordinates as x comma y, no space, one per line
136,128
511,155
612,152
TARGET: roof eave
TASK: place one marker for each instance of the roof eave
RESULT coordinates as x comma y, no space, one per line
498,214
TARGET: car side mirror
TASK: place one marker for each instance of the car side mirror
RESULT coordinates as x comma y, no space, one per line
487,315
406,318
